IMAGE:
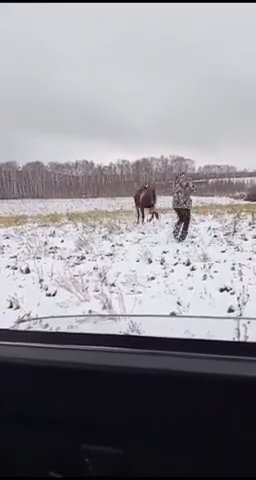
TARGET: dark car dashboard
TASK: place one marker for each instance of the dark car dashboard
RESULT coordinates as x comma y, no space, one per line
91,405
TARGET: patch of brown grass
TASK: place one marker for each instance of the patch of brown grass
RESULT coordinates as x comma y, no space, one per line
95,216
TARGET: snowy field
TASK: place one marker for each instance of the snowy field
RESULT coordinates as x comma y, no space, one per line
117,267
39,207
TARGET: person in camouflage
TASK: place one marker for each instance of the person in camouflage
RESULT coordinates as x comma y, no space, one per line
182,204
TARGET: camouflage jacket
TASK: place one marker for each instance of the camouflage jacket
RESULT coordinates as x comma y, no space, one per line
183,188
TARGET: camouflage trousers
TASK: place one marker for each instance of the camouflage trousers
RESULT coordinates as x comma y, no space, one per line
181,226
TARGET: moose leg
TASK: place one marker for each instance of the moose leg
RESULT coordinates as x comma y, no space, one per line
138,214
151,211
142,214
153,214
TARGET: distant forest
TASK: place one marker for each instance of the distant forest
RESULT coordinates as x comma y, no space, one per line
85,179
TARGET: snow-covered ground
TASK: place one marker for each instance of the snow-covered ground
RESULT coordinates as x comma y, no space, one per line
35,207
122,268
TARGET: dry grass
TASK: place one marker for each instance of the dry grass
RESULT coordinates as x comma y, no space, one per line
76,286
117,215
12,220
240,208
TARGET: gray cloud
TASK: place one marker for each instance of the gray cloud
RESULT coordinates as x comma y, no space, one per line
101,81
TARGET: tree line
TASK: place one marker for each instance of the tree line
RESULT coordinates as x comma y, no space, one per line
86,179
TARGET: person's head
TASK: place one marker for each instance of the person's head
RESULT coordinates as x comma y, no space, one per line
182,177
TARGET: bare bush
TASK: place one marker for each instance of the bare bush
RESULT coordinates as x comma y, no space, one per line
78,286
236,221
242,300
106,296
23,318
133,328
37,247
102,274
106,301
84,242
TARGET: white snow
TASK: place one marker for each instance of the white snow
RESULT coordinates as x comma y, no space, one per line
35,207
119,267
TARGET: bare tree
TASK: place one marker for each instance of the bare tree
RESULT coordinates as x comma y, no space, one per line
85,179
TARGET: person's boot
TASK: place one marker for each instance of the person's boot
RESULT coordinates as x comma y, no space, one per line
176,230
183,234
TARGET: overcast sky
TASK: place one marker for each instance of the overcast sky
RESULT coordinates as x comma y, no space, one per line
104,82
